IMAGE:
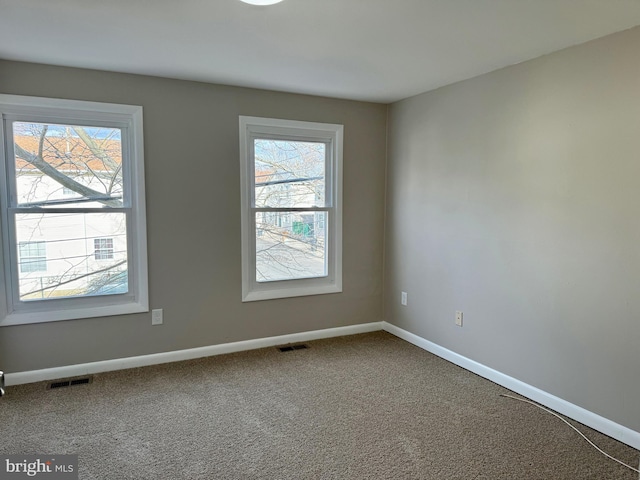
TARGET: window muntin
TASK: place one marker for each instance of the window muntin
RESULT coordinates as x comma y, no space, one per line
72,172
291,208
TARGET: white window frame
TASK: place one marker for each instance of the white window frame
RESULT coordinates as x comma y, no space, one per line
129,119
252,128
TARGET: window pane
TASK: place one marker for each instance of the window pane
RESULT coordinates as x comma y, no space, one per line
67,165
290,245
58,255
289,174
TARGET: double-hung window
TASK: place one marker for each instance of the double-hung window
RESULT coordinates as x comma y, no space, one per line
291,208
73,212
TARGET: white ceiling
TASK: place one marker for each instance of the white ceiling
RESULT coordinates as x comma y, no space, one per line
376,50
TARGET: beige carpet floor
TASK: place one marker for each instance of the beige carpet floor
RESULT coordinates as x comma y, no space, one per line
366,406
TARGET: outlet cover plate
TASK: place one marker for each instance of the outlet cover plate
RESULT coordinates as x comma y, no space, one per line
156,317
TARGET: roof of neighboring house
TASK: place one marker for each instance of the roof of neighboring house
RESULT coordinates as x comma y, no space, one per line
264,175
69,154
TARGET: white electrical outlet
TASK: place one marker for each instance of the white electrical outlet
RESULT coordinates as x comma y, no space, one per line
459,318
403,299
156,317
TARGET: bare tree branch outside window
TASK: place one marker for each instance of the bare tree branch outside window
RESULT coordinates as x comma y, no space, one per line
69,186
289,178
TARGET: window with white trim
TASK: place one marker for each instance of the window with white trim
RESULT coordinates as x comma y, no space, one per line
73,212
103,248
291,208
33,257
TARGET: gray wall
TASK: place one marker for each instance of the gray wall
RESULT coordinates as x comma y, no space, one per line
515,198
193,211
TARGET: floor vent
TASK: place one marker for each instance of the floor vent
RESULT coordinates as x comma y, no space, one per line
69,382
80,381
290,348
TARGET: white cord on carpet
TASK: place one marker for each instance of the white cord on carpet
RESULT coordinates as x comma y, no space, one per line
579,432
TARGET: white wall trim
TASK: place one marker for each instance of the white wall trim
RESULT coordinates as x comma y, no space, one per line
331,134
601,424
179,355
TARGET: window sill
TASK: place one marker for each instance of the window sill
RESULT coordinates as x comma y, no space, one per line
73,314
270,294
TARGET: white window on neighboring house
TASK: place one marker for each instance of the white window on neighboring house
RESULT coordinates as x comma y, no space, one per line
291,174
103,248
73,212
33,257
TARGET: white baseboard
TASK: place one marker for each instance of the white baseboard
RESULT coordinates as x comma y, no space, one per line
601,424
178,355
